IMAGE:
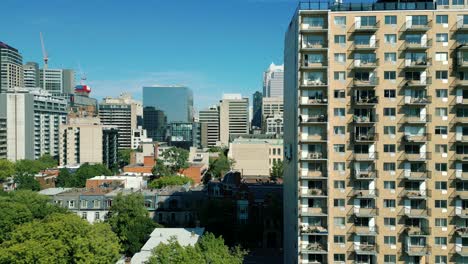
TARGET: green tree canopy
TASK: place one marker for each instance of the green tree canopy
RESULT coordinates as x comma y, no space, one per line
208,249
219,166
7,169
27,182
129,220
124,157
160,170
175,159
61,238
78,179
277,170
169,181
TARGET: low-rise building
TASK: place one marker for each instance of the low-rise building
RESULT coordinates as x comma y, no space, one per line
47,178
139,136
126,182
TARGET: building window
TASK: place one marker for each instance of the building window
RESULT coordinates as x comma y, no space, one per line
71,204
389,75
389,185
389,93
390,20
339,221
441,222
339,112
339,202
442,2
389,203
339,94
390,38
339,76
441,130
441,19
339,239
441,148
84,204
441,75
340,57
441,185
338,166
389,148
441,93
441,56
441,111
340,39
441,259
441,167
389,240
389,259
339,130
148,203
84,215
441,37
97,216
339,148
390,56
389,111
390,221
339,184
96,203
441,241
389,130
458,2
339,258
389,166
340,20
440,204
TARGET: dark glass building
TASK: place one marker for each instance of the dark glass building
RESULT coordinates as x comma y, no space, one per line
155,123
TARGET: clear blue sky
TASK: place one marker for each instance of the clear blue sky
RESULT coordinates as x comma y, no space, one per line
214,47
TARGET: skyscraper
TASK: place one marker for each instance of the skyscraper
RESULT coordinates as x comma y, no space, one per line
11,68
273,81
155,123
233,117
175,101
32,121
375,142
257,109
31,75
57,81
209,126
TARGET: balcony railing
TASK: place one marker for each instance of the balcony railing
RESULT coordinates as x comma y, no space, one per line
315,175
316,27
415,213
366,83
459,100
364,230
364,156
368,193
365,174
460,156
462,250
417,45
418,231
461,231
415,175
314,101
314,65
313,119
364,64
410,26
461,175
418,250
314,138
314,230
359,100
364,46
460,119
460,82
461,212
415,64
422,119
366,249
365,212
418,83
315,248
409,100
461,26
415,194
314,211
316,193
314,46
359,27
316,156
424,137
365,119
368,137
315,83
421,156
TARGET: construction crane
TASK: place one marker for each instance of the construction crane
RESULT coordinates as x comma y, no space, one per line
44,52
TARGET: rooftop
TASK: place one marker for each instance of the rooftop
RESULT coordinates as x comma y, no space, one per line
6,46
366,5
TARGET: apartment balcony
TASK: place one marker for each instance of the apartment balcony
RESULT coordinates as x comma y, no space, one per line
413,83
461,175
358,27
365,137
314,230
410,100
421,156
306,101
364,46
365,101
365,174
365,212
311,65
422,119
364,64
417,138
415,175
462,231
461,212
460,157
313,138
415,194
364,156
366,83
314,28
417,231
460,120
417,45
415,213
463,194
364,230
314,83
460,83
312,120
367,193
314,46
312,156
314,193
368,119
314,248
418,250
411,27
314,175
366,249
459,100
313,211
462,64
461,250
415,64
461,26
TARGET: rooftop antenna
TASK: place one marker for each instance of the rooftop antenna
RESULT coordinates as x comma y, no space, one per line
46,61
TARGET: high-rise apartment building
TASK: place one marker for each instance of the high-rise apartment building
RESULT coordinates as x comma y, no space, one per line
120,112
209,126
376,126
175,101
3,138
11,68
82,141
273,81
31,75
233,117
257,109
155,123
32,121
57,81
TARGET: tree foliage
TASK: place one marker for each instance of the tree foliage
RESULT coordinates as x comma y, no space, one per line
129,220
169,181
26,182
219,166
61,238
124,157
160,169
7,169
209,249
31,167
277,170
175,159
78,179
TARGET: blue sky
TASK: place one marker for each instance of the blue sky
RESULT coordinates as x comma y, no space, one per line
214,47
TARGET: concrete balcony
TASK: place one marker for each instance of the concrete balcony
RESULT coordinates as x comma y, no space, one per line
365,174
461,26
461,231
417,45
424,137
314,46
365,212
461,250
366,249
372,193
311,120
365,101
462,64
408,100
314,138
461,175
314,83
415,213
460,157
411,27
418,83
363,64
418,250
306,101
358,27
415,119
461,212
314,230
364,46
371,119
415,175
314,193
422,156
312,175
364,156
364,230
368,137
311,65
314,28
366,83
460,83
313,211
417,231
315,156
415,64
415,194
460,120
314,248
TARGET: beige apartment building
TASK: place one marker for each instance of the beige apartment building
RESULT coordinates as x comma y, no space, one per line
376,133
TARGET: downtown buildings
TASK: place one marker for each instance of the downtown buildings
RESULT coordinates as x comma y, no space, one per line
376,152
175,101
11,68
209,126
233,117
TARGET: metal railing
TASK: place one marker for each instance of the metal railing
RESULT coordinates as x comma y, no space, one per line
369,193
364,64
365,83
418,230
415,119
417,45
418,250
420,100
360,100
417,138
363,230
415,175
416,213
365,119
364,46
368,137
415,194
416,27
365,212
365,174
421,156
359,27
313,119
315,174
314,230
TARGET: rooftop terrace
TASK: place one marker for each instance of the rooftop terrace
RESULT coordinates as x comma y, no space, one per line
367,5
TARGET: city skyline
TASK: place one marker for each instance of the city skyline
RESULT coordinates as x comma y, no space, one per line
89,38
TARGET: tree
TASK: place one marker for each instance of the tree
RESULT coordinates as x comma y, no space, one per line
220,165
48,161
277,170
124,157
7,169
66,179
27,182
129,220
169,181
160,170
71,239
175,159
78,179
208,249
